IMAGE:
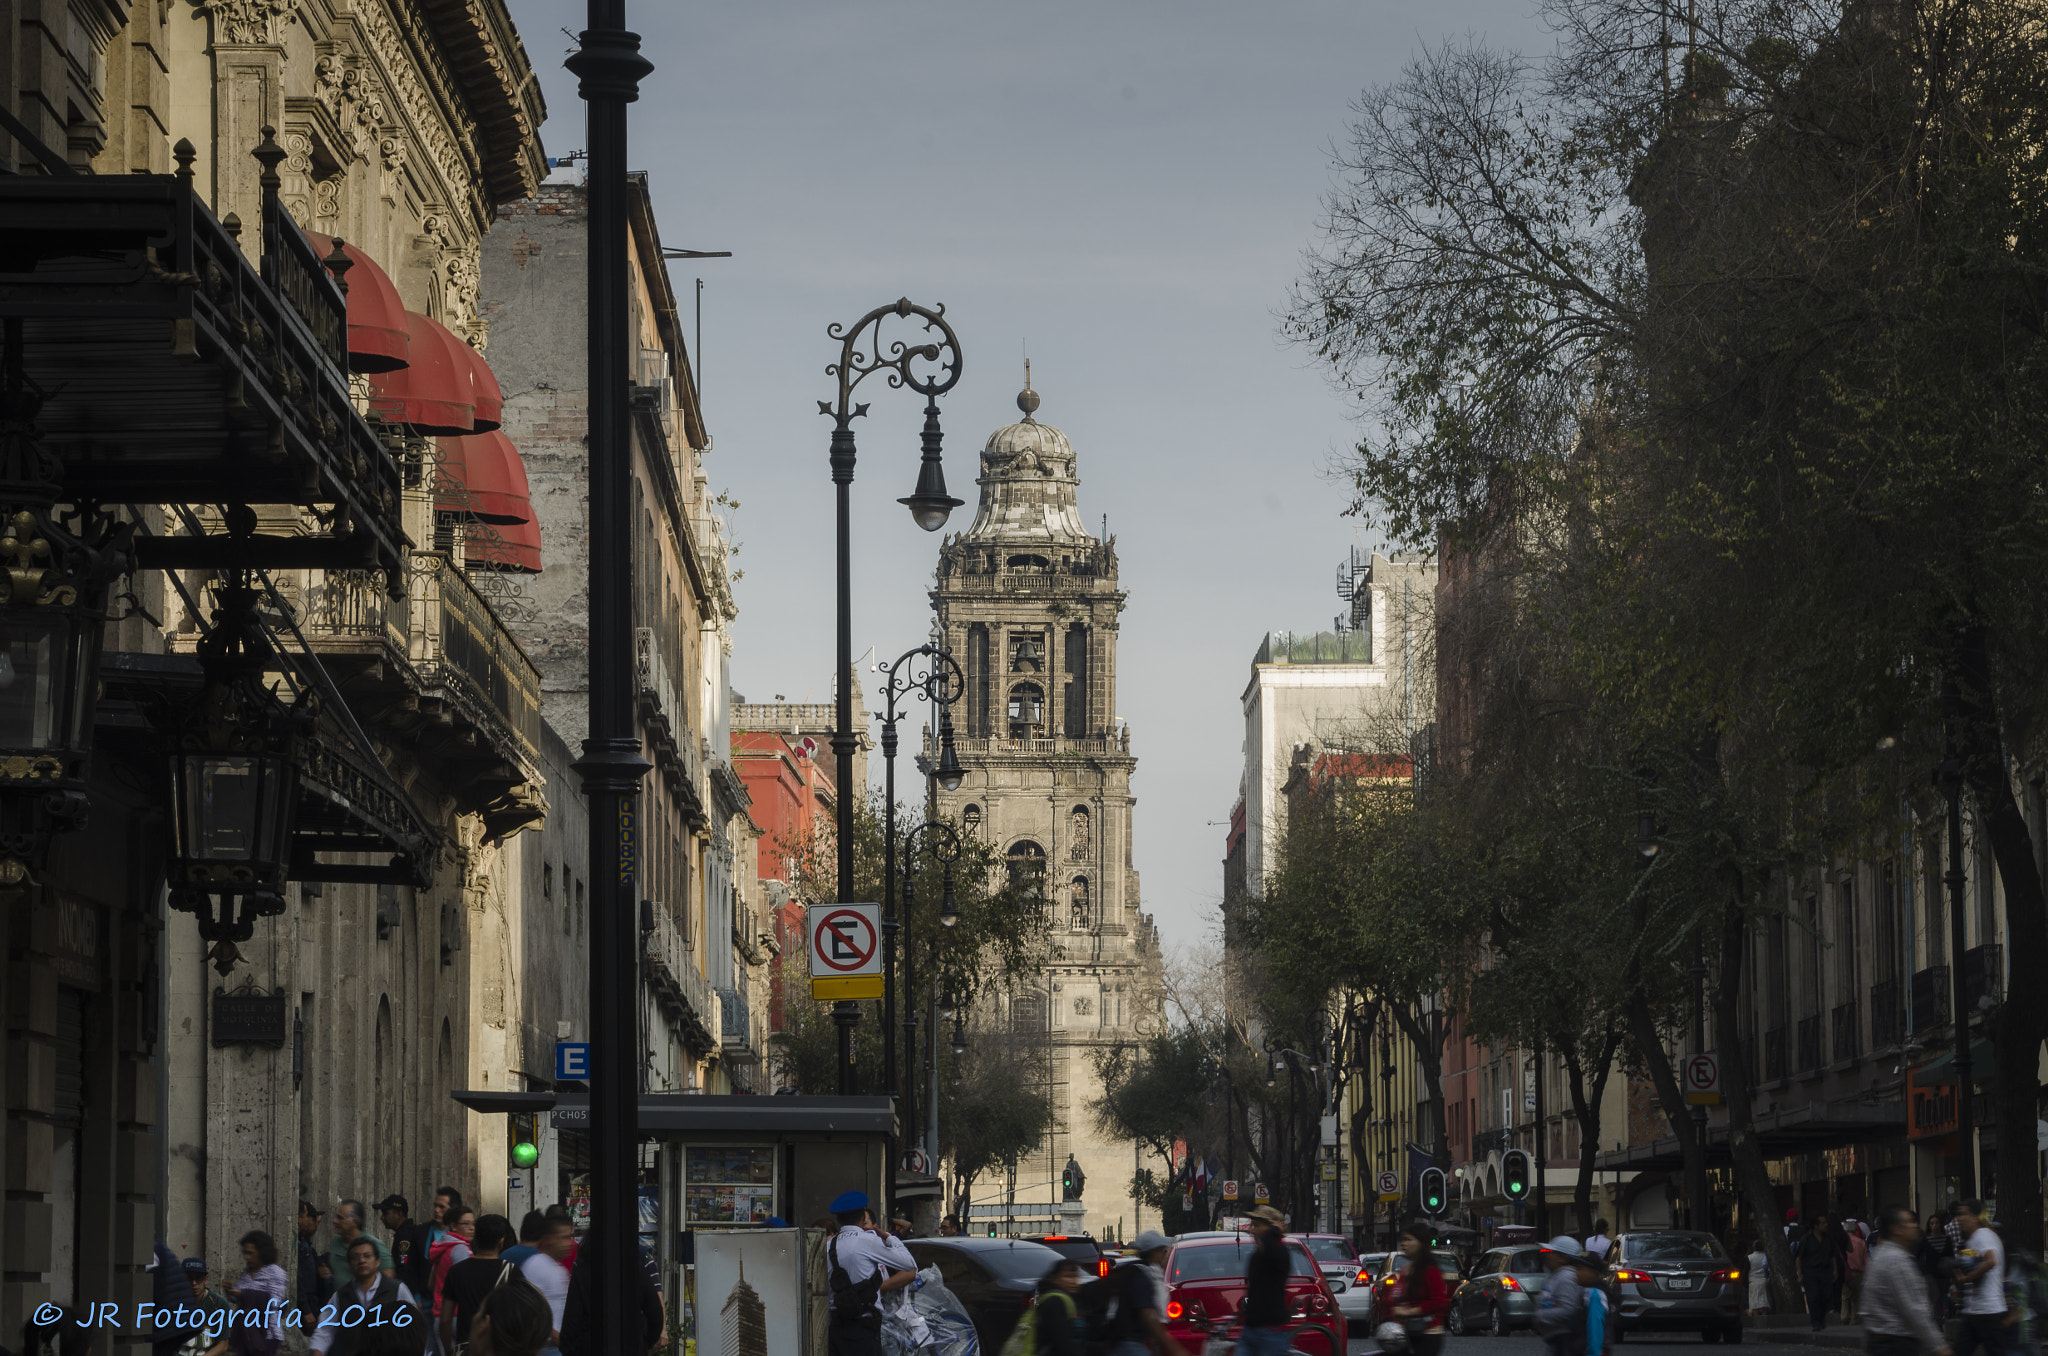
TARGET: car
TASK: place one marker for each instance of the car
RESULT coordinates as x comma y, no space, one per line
1358,1302
1675,1280
995,1279
1383,1276
1499,1295
1340,1264
1205,1289
1081,1248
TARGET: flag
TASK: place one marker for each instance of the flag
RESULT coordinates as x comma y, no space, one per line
1201,1172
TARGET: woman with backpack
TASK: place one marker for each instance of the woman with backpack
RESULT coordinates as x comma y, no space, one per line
1053,1327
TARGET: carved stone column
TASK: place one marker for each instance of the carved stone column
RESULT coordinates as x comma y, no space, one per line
246,42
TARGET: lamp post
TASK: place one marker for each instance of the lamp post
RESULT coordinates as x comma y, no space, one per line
609,68
940,682
945,851
861,355
1948,776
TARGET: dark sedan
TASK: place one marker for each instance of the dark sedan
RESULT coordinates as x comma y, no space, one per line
1672,1280
1500,1294
995,1278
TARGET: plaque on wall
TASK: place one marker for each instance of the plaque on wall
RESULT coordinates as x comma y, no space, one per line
249,1016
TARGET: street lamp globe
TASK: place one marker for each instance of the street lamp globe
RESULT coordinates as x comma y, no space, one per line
949,773
950,913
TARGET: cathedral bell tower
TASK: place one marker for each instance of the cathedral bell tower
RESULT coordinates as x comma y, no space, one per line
1029,603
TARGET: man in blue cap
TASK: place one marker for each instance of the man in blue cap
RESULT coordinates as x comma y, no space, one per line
859,1273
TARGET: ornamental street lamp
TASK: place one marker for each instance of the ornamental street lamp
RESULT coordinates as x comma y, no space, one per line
235,774
939,681
53,602
861,355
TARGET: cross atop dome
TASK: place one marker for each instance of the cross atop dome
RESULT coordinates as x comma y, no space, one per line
1027,399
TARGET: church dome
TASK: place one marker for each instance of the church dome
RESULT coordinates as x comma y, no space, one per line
1028,482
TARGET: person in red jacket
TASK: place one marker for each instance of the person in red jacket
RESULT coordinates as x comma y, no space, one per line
443,1253
1420,1299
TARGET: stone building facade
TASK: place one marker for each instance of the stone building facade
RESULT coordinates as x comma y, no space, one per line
1029,603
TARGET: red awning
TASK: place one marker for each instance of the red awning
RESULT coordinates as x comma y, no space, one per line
513,548
379,339
490,402
482,477
437,393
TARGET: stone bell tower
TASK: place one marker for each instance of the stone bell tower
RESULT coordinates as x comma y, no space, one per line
1028,601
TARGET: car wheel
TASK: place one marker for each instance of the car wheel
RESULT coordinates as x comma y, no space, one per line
1496,1321
1710,1334
1731,1333
1456,1324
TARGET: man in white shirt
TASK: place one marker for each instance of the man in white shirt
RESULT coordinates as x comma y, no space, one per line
858,1254
1983,1284
550,1277
364,1308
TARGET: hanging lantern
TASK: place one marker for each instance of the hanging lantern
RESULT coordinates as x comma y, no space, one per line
53,602
234,777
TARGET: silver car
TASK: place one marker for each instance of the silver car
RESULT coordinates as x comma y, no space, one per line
1500,1293
1341,1268
1674,1280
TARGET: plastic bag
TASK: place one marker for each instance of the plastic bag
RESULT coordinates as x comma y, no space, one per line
933,1323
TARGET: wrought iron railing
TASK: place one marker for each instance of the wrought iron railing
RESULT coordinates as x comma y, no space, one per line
1316,647
1844,1021
460,645
1931,1004
1774,1054
1809,1043
679,988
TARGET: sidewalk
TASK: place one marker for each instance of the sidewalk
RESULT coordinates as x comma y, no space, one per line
1796,1329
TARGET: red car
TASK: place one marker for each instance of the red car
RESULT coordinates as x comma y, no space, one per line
1205,1287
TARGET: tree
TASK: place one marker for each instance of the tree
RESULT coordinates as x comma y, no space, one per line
992,1113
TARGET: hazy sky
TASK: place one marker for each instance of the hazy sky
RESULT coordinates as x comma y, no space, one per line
1124,185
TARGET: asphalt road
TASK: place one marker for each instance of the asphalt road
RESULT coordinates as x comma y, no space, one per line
1524,1344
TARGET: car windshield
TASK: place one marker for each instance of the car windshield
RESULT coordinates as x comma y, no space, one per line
1671,1248
1019,1261
1082,1250
1216,1261
1329,1249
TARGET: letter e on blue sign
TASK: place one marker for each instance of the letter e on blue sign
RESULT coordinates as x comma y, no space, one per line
572,1061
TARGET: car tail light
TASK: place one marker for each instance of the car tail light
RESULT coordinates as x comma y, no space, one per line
1626,1275
1102,1267
1174,1309
1364,1277
1319,1304
1730,1275
1510,1283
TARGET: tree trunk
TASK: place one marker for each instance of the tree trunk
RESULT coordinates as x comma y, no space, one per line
1586,1110
2022,1020
1426,1033
1752,1178
1642,1029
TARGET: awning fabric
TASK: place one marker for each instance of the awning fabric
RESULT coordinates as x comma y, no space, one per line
489,400
482,477
379,339
436,394
512,549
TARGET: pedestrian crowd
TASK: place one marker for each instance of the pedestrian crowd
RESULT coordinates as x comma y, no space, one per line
456,1284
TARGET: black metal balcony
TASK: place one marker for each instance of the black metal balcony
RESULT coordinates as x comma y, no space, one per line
1845,1024
1983,977
1774,1054
1887,1015
173,372
1809,1043
1931,1003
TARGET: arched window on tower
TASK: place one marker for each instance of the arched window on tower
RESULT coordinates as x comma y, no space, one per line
970,819
977,682
1026,863
1074,719
1081,915
1027,711
1077,834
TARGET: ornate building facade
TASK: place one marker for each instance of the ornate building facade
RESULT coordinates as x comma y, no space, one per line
1029,602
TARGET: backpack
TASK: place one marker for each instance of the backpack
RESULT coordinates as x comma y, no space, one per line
1106,1314
852,1301
1594,1342
1024,1337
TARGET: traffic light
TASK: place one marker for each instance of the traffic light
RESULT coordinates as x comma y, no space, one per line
525,1146
1067,1179
1436,1197
1514,1174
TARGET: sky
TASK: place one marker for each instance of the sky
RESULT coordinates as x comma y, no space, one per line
1122,188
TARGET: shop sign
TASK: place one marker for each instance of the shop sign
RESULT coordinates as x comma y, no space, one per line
1930,1107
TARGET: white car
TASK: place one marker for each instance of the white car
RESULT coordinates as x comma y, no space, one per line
1341,1267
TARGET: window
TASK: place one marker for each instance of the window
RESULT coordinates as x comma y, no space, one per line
1027,653
1074,720
1026,862
1077,834
970,819
1027,563
977,682
1082,917
1026,711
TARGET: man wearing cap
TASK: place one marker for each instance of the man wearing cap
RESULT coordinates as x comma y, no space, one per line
859,1273
1265,1286
205,1311
410,1245
1561,1304
1135,1329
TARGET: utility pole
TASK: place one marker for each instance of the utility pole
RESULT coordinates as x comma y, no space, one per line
1950,778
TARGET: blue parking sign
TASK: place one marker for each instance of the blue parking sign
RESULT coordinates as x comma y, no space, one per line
572,1061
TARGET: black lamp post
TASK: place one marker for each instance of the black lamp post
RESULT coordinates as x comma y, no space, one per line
609,68
861,355
53,603
941,682
1948,777
945,851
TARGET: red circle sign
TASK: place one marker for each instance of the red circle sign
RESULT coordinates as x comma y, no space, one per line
845,940
1701,1074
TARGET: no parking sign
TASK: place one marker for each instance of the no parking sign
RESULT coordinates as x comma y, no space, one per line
846,951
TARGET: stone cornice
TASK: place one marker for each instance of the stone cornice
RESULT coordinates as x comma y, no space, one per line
490,68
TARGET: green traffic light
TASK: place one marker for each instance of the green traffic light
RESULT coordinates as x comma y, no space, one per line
525,1155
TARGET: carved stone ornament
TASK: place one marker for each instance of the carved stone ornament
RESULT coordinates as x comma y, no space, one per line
251,23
